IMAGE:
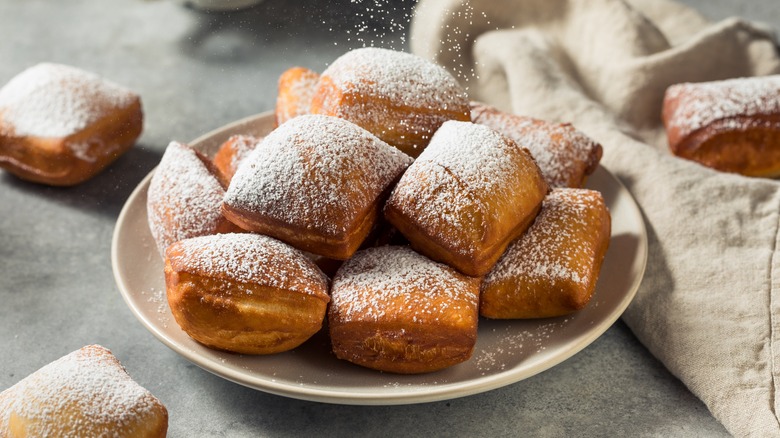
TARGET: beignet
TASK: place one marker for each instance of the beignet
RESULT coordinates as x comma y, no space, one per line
232,153
317,183
244,293
296,88
184,198
731,125
86,393
395,310
565,155
552,269
399,97
469,194
61,126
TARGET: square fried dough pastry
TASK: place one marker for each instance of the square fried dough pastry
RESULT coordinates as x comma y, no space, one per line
395,310
232,153
315,182
185,198
399,97
565,155
469,194
732,125
61,126
295,91
86,393
552,269
244,293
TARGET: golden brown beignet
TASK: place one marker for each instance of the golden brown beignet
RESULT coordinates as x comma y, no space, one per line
395,310
552,269
244,293
731,125
317,183
86,393
469,194
565,155
61,126
232,153
184,198
296,88
399,97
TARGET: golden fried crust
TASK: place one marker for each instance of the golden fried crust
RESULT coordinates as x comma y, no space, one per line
466,197
296,88
732,126
244,293
317,183
565,155
552,269
231,154
395,310
86,393
400,98
52,161
61,126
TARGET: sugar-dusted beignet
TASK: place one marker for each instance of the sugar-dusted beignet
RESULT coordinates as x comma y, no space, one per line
184,198
232,153
399,97
317,183
467,196
552,269
395,310
244,293
61,126
86,393
296,88
731,125
565,155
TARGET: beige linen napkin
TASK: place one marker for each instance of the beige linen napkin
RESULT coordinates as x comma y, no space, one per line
709,305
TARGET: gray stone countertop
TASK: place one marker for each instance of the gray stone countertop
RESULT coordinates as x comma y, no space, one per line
195,72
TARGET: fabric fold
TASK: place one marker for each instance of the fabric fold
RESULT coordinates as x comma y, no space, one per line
708,305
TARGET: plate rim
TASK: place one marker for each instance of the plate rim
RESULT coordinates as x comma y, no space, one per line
438,392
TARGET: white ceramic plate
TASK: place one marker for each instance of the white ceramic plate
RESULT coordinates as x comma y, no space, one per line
506,351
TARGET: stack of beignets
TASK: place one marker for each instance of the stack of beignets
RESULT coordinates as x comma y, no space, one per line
399,97
468,194
244,293
315,182
61,126
565,155
417,236
395,310
731,125
552,269
86,393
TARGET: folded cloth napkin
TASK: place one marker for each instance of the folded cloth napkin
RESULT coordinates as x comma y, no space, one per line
709,304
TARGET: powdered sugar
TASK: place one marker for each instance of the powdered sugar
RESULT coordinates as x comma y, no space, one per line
184,197
465,179
249,258
551,249
315,172
91,386
700,104
378,281
562,152
52,100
